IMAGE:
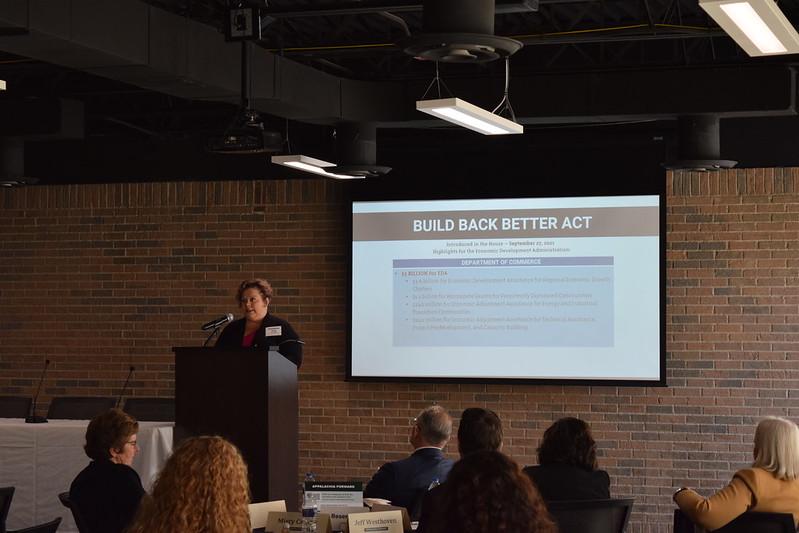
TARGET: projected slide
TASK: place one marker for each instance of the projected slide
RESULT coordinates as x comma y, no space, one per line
555,288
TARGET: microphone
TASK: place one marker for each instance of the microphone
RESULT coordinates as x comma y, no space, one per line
125,385
291,349
32,418
222,320
289,341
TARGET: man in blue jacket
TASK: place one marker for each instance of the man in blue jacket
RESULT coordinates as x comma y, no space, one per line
405,482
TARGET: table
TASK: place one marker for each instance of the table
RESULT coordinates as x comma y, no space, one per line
41,460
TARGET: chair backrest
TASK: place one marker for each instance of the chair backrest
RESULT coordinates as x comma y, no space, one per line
63,497
151,409
259,512
760,523
49,527
79,407
746,523
591,516
683,524
15,406
6,495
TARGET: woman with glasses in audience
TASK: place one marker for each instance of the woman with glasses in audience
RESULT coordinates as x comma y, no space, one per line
106,494
488,493
203,488
567,468
771,485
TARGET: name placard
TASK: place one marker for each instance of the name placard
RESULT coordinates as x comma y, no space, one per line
384,522
338,517
406,519
334,493
275,521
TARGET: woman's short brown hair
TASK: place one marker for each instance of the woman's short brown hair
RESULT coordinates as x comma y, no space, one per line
262,285
107,430
568,441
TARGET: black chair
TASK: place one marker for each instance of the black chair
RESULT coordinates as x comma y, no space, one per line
746,523
15,406
591,516
151,409
6,495
49,527
79,407
66,502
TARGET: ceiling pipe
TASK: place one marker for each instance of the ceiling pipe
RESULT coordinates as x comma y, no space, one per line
356,150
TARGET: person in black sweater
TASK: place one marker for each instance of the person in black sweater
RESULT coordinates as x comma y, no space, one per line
567,468
107,493
258,329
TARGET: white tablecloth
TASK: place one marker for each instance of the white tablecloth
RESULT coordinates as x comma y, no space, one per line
41,460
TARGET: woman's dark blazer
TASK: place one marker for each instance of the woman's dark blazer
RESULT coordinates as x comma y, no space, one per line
566,482
233,334
107,496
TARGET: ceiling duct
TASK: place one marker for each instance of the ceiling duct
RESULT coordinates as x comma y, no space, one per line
459,31
356,147
698,145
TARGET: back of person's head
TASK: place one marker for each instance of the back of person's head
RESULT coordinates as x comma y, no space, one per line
435,425
487,492
777,447
110,429
203,487
568,441
479,429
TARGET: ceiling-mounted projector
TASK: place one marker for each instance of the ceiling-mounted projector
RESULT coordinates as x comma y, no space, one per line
246,135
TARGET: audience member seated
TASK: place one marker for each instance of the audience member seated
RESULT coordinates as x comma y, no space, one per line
404,482
567,468
479,429
108,491
488,493
202,488
769,486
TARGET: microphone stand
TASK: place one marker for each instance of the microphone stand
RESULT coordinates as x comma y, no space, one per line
211,336
125,386
33,418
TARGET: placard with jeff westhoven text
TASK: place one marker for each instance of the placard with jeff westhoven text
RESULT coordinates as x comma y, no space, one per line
385,522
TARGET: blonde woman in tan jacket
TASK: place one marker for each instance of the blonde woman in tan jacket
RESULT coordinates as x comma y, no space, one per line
769,486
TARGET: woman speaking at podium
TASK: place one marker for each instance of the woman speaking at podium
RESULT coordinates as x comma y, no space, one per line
258,329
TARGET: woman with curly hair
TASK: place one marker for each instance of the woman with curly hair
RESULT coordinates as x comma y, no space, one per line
487,493
567,468
203,488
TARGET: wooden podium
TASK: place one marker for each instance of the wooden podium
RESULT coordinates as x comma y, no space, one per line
250,398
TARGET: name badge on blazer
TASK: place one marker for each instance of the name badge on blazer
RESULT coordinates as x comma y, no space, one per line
274,331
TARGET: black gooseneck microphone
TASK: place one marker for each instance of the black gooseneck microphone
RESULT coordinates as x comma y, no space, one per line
221,321
32,418
125,385
214,326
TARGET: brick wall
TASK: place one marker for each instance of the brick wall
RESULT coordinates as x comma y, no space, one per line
99,277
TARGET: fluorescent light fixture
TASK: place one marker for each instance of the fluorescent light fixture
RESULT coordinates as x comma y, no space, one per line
310,164
758,26
470,116
2,85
